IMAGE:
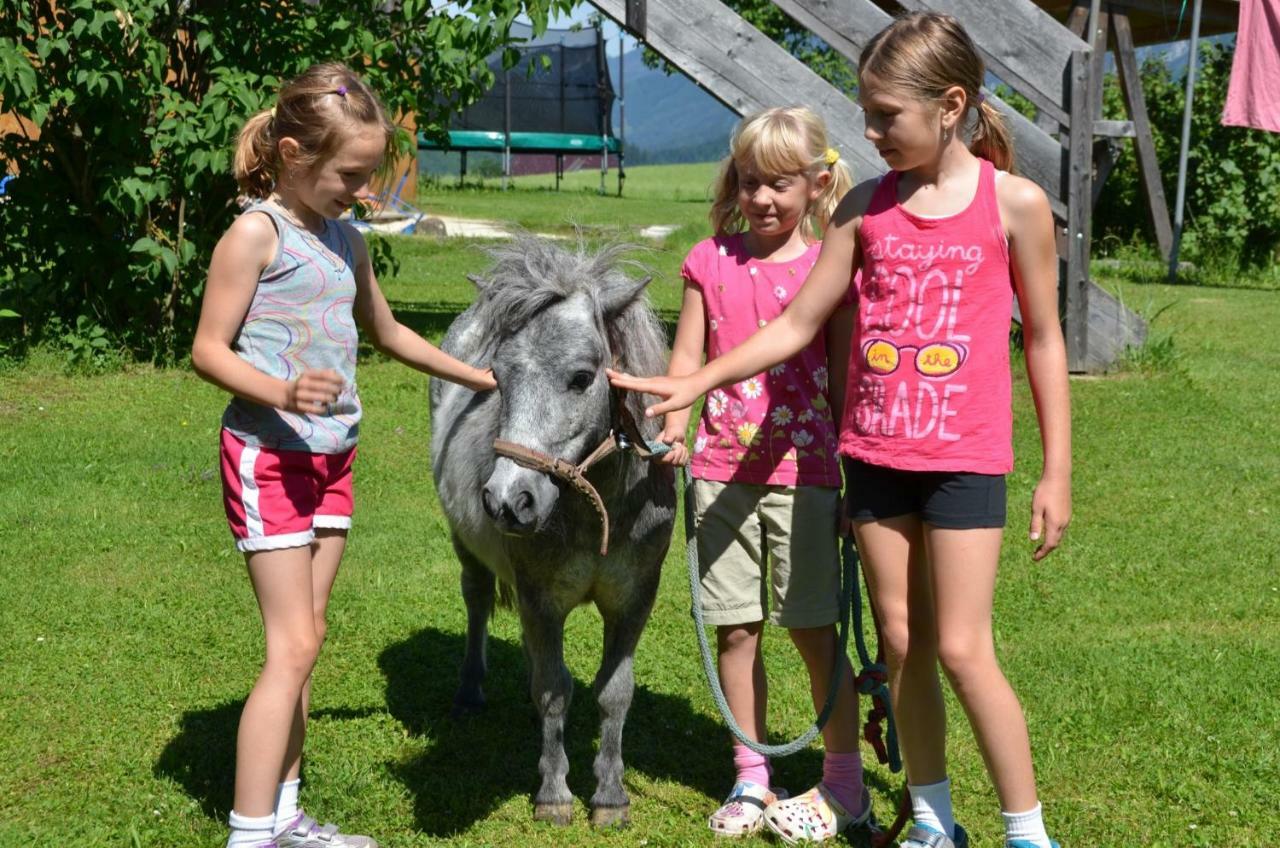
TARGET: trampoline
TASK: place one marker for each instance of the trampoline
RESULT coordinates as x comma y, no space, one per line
557,99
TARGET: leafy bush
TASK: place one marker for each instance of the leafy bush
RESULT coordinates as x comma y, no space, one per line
127,186
1232,215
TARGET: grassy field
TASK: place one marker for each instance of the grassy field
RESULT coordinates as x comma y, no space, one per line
654,194
1146,651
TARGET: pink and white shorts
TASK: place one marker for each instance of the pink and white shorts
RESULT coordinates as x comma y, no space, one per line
277,498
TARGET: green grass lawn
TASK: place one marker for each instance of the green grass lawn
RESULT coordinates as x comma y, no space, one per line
1146,651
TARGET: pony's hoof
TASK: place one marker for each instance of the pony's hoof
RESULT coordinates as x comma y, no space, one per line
611,817
559,814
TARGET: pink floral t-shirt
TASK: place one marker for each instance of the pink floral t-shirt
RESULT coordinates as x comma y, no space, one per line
774,428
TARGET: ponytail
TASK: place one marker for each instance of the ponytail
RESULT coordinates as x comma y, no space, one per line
991,138
255,162
837,187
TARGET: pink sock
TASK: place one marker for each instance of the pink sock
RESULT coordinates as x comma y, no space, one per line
751,766
842,775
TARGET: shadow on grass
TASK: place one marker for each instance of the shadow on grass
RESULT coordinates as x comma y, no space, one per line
472,766
487,759
201,758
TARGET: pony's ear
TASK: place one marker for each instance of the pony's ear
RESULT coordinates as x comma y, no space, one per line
620,291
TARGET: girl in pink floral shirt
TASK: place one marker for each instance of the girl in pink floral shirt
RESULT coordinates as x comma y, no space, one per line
765,462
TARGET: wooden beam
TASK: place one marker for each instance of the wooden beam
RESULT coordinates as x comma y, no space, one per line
745,70
1075,290
1078,18
1112,328
846,25
1144,144
636,22
1113,129
1097,72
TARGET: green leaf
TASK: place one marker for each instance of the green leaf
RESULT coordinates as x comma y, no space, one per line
9,313
170,260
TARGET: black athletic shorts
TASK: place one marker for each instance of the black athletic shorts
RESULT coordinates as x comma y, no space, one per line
949,499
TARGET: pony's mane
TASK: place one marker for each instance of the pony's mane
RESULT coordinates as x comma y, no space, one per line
529,274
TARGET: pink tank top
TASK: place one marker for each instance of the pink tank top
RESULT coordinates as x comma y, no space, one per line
929,383
777,427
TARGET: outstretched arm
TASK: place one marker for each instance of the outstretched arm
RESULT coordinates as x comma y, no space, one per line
1035,275
398,341
783,337
686,356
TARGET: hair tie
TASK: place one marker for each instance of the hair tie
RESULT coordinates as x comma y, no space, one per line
982,98
832,156
273,113
342,91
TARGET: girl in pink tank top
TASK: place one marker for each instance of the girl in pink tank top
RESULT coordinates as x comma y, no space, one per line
943,242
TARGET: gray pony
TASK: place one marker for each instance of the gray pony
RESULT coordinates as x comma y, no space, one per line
549,320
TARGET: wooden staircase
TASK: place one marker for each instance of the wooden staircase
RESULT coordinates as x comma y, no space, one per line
1029,50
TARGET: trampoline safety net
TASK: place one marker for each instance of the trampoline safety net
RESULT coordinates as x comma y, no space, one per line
569,91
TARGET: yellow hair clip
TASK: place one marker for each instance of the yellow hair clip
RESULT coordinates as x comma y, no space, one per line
832,157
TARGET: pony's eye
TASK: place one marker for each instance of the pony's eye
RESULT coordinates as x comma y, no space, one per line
581,381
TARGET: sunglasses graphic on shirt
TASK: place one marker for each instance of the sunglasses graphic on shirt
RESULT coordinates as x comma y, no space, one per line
938,359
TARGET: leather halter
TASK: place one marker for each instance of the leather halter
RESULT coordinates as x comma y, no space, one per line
623,436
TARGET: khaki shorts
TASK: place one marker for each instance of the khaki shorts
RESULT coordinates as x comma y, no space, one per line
738,523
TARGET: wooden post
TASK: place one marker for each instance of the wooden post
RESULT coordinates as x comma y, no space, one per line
1079,206
637,18
1097,37
1144,145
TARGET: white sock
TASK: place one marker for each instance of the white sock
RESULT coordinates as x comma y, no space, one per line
249,830
931,807
287,802
1028,826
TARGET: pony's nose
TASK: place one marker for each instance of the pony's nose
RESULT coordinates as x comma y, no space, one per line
515,515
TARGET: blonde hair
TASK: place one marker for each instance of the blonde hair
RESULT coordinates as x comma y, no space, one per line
779,141
318,109
921,55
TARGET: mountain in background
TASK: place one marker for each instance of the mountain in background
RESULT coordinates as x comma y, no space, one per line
669,119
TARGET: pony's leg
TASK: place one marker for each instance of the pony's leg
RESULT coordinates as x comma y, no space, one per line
477,593
614,687
552,689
